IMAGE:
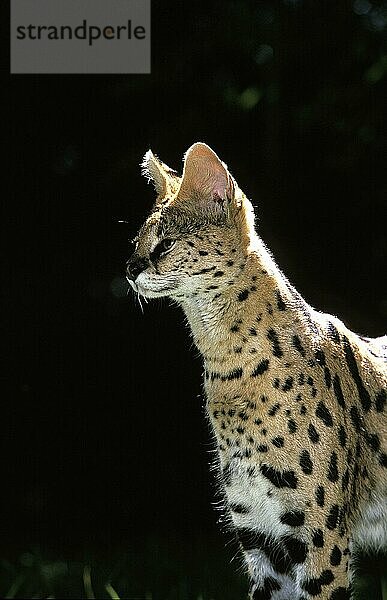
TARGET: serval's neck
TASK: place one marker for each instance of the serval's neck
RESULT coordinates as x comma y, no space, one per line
239,320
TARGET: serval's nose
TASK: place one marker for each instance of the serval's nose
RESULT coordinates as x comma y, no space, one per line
136,265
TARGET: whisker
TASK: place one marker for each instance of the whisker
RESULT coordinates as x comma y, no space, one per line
140,303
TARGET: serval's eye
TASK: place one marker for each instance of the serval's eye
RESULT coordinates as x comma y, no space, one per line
162,248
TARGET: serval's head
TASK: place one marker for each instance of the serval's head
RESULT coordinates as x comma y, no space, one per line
197,234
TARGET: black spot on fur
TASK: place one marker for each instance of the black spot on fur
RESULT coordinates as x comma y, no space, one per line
356,418
380,400
373,441
383,460
296,549
313,585
298,345
338,391
252,331
318,538
243,295
288,384
280,303
203,253
292,426
240,509
320,357
353,369
345,480
340,593
252,540
278,441
320,495
333,472
273,338
342,436
260,368
262,448
281,479
333,517
323,413
274,409
270,585
335,557
312,433
294,518
218,273
328,378
333,334
306,462
203,271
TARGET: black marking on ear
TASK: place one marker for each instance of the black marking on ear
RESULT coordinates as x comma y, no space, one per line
281,479
354,370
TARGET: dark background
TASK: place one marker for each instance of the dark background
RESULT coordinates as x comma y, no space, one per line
103,427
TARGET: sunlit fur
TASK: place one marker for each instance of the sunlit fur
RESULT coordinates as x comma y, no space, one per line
291,392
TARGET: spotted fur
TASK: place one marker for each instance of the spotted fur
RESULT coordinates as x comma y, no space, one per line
296,401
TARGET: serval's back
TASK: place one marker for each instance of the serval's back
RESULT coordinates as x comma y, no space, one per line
295,399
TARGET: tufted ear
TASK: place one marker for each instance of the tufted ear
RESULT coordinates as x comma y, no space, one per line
206,178
157,171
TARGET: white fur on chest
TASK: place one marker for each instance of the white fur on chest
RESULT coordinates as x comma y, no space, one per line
255,493
370,532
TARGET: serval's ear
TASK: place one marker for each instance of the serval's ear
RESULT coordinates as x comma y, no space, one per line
155,170
206,179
